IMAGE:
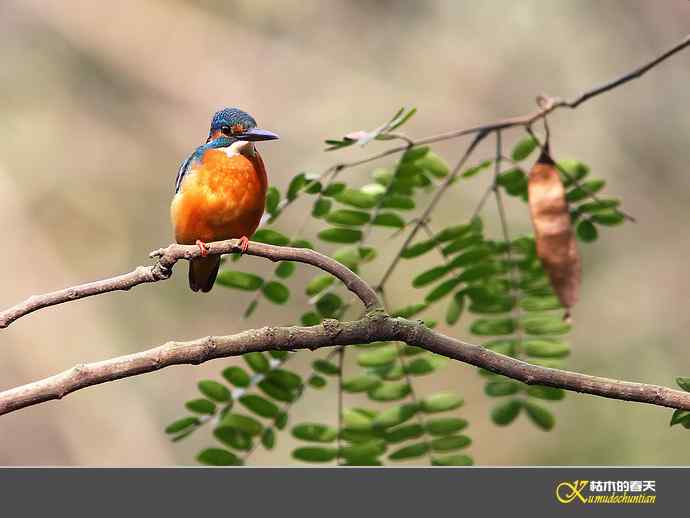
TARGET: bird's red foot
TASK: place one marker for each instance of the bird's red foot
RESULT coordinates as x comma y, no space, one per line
244,244
202,246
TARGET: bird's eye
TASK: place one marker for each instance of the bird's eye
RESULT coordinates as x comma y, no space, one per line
226,130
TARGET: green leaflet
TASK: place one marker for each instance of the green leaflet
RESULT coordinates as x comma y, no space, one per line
239,280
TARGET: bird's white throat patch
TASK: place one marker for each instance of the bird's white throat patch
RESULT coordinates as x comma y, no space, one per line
241,147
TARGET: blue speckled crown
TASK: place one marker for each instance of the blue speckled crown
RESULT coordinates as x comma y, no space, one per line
230,117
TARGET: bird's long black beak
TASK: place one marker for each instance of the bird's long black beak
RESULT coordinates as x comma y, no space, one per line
255,134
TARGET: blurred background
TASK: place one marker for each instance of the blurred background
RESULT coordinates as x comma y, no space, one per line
101,101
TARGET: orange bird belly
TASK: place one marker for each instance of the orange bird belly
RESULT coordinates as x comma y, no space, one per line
221,197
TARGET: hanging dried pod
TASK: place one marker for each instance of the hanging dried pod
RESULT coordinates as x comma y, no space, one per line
556,246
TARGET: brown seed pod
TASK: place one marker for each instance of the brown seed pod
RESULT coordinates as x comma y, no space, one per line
556,246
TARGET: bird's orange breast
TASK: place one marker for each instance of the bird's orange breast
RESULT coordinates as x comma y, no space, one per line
221,197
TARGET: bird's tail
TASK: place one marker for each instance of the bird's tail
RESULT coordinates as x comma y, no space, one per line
202,272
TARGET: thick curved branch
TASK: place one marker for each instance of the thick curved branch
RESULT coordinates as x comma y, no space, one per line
376,326
162,270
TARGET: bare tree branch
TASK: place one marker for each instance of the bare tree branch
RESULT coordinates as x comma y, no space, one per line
375,326
162,270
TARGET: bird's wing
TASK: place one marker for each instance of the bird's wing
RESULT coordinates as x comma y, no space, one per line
186,166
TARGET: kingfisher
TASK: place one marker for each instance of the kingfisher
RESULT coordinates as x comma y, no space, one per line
220,191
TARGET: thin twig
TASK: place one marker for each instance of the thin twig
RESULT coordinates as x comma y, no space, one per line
162,270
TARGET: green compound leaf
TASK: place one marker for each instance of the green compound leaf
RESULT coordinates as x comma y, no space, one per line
314,432
680,416
296,185
271,237
201,406
361,383
397,201
315,454
683,383
357,419
441,401
572,171
237,376
445,425
472,171
501,388
409,311
285,269
275,391
454,311
316,381
442,290
348,217
586,231
333,189
388,219
268,438
310,319
493,327
260,405
417,249
383,355
450,443
547,393
534,303
272,200
414,153
214,391
430,276
539,415
281,420
546,348
318,284
524,148
233,438
302,243
325,367
390,391
321,207
257,362
608,218
545,325
403,433
218,457
182,424
356,198
395,415
584,190
285,378
244,423
239,280
276,292
364,451
410,452
505,413
328,305
340,235
434,165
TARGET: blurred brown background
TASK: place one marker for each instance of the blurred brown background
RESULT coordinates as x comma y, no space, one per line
101,101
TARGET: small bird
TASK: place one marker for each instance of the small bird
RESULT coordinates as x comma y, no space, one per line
220,191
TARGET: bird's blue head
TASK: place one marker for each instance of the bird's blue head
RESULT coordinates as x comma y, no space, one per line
235,124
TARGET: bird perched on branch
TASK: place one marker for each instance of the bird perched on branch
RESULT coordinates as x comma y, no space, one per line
220,191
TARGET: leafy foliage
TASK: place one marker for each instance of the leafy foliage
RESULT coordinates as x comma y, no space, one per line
496,288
